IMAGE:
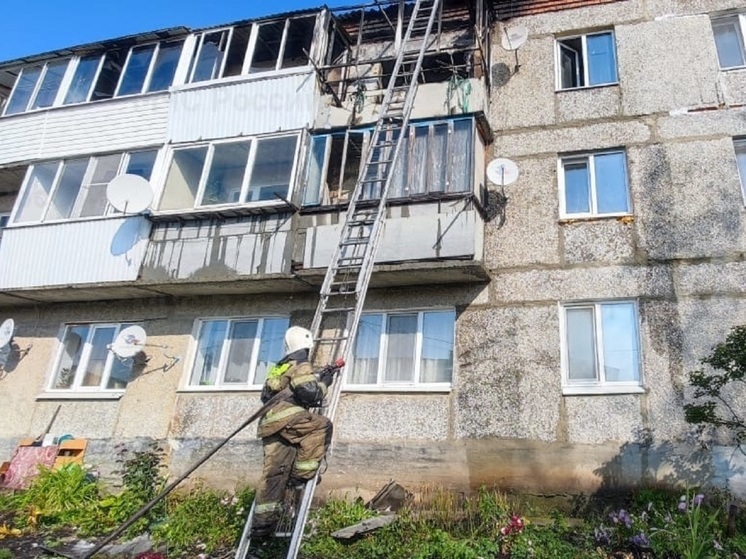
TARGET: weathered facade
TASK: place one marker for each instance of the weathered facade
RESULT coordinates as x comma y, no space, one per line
536,337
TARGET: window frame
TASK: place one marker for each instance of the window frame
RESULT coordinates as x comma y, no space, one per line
92,160
198,50
417,385
151,68
221,385
559,43
326,196
76,389
4,222
204,175
741,18
589,157
59,95
739,145
599,386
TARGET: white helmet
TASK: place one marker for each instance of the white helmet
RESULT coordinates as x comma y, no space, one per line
297,338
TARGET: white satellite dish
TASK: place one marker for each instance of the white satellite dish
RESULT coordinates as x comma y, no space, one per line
6,332
129,193
514,37
502,171
129,342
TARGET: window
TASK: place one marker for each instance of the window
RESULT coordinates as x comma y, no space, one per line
740,146
220,53
37,87
729,32
282,44
586,61
600,347
141,69
75,188
4,218
404,349
435,157
84,362
237,352
594,184
250,170
149,68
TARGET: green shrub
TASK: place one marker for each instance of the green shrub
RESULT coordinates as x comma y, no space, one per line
58,497
203,518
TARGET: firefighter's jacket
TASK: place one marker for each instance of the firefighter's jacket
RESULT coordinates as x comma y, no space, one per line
307,392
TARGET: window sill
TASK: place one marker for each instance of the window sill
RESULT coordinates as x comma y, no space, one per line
64,395
244,78
622,217
415,199
587,87
399,388
602,389
217,389
733,69
27,224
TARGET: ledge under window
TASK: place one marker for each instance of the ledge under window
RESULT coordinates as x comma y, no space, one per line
216,389
607,389
80,396
624,218
398,388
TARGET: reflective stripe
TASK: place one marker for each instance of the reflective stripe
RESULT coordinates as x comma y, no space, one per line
278,370
306,465
300,380
271,417
264,508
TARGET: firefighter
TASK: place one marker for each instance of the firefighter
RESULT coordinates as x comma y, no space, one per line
294,439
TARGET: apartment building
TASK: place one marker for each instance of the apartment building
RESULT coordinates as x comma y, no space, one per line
536,336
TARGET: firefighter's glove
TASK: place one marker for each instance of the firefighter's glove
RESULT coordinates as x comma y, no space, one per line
326,375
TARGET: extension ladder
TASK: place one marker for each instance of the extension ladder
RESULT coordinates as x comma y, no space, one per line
346,282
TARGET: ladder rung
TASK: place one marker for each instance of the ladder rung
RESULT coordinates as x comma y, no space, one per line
340,309
334,339
352,242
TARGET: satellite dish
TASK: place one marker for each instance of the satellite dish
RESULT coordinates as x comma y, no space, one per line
502,171
6,332
514,37
129,342
129,193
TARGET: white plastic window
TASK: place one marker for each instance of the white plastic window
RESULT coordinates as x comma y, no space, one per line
729,34
76,188
85,362
404,349
594,184
600,347
586,60
236,352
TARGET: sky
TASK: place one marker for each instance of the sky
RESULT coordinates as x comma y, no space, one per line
36,26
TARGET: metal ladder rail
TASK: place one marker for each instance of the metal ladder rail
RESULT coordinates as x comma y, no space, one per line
377,227
384,124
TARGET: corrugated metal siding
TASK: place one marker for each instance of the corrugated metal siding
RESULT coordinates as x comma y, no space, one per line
515,8
73,252
90,128
253,107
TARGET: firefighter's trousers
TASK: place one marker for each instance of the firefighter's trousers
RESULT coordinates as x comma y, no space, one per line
296,450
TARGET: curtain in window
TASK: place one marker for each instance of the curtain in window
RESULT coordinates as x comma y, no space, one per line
401,339
462,155
239,356
577,187
36,192
438,158
581,346
209,350
601,59
418,162
398,188
611,182
621,351
367,349
436,364
99,353
271,347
